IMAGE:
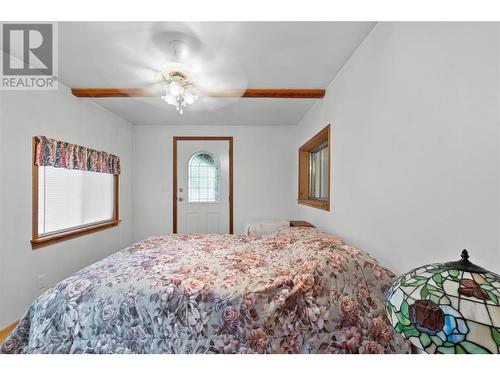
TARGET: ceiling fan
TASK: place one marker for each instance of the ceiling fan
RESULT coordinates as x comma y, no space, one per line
193,73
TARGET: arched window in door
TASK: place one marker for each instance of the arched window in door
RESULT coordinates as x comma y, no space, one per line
203,178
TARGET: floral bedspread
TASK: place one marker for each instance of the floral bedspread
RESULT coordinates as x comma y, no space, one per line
297,291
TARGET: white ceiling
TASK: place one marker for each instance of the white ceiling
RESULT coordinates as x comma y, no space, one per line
238,54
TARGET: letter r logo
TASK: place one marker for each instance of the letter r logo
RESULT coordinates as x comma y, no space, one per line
29,49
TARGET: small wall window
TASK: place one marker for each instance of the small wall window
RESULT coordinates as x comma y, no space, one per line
318,172
203,178
314,171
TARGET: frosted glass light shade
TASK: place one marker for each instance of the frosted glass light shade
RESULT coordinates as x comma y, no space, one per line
174,89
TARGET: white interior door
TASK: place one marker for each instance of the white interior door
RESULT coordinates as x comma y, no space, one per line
202,186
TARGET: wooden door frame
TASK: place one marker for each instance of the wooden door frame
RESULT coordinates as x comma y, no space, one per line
174,168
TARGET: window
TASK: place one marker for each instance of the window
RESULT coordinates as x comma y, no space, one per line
314,171
75,191
203,178
318,172
70,199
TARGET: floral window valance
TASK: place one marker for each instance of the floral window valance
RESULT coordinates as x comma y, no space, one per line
53,153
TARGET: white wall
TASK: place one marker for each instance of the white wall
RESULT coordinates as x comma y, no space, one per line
262,175
56,114
415,145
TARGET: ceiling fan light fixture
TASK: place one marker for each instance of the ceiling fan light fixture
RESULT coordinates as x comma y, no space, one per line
169,98
180,91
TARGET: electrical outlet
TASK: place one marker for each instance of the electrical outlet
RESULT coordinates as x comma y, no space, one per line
42,281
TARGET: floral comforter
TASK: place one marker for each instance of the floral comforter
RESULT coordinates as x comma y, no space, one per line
297,291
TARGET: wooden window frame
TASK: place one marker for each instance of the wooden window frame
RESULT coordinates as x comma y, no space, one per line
323,136
38,240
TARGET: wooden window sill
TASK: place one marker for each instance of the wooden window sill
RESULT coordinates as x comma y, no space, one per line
54,238
322,205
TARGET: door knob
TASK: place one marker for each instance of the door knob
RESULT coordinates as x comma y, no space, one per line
181,199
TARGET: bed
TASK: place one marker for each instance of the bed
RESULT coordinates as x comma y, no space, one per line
299,290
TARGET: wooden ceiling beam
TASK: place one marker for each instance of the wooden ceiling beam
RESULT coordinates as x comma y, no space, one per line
285,93
249,93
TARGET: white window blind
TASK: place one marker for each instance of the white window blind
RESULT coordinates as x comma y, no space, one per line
70,199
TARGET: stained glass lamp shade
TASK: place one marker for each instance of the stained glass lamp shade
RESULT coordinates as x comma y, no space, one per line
447,308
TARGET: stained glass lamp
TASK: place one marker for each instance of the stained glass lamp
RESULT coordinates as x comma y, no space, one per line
447,308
